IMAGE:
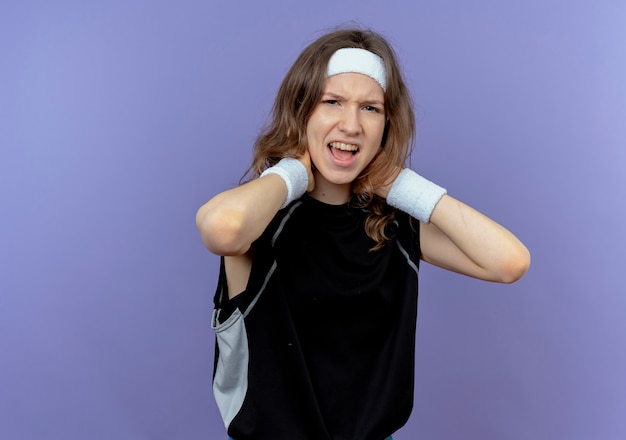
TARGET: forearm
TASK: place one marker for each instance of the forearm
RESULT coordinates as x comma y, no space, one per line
455,236
492,252
232,220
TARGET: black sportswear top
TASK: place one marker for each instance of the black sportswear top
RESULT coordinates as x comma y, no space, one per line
320,345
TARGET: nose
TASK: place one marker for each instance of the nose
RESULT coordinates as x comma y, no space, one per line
350,122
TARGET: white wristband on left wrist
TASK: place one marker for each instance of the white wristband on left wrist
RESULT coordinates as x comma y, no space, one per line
415,195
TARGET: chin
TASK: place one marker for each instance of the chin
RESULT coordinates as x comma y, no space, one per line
340,177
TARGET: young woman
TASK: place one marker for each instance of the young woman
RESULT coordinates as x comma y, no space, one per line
316,301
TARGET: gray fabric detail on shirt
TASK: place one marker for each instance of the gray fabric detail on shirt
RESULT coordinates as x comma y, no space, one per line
230,383
283,221
408,259
256,298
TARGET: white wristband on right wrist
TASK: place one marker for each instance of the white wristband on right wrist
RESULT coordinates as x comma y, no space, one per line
415,195
295,175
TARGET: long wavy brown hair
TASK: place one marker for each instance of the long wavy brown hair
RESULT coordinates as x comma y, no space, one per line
299,94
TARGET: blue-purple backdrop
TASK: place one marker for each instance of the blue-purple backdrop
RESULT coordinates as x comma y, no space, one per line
118,119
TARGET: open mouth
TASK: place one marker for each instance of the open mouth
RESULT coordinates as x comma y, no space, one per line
342,151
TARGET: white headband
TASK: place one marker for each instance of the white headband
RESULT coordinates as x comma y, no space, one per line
353,60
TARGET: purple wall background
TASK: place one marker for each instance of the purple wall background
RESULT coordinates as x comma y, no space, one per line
118,119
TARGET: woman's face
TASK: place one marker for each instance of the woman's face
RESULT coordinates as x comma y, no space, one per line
345,130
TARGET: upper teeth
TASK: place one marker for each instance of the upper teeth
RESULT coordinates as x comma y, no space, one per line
342,146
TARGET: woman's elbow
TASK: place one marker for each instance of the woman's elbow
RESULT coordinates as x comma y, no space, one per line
220,231
514,267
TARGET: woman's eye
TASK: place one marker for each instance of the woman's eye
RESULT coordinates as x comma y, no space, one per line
330,101
369,108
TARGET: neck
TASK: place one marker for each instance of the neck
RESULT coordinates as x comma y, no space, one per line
330,193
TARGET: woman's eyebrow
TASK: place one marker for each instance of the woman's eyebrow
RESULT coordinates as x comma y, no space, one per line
333,95
374,102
